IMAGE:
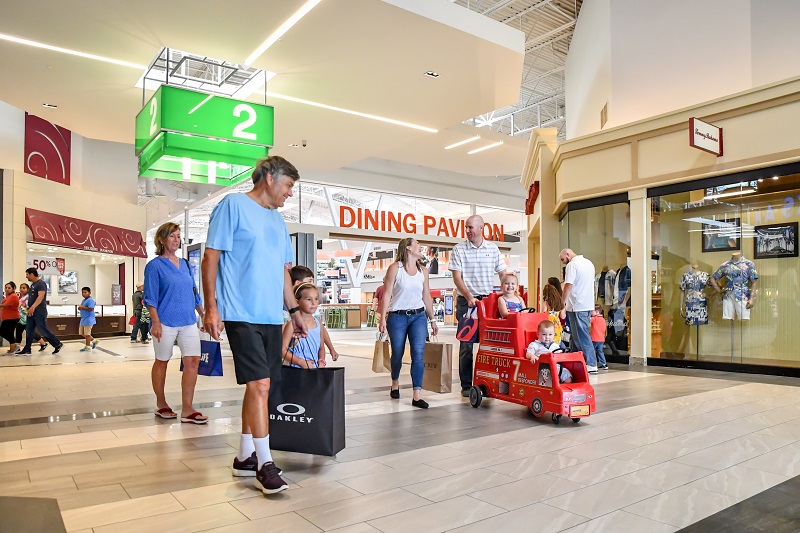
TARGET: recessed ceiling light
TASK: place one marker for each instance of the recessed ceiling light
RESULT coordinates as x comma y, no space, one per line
30,249
482,148
50,106
465,141
432,74
294,145
10,38
351,112
282,29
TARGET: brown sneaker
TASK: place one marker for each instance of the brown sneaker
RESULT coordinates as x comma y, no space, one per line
268,479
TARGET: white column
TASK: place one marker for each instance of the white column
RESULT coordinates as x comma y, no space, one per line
641,293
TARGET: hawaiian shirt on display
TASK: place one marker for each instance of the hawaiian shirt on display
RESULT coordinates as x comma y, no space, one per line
693,284
738,275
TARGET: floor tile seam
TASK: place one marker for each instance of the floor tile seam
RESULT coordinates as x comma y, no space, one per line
129,500
679,526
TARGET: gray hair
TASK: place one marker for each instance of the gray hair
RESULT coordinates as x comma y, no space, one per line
275,165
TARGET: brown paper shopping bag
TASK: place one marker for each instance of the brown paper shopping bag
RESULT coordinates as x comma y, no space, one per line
438,359
381,356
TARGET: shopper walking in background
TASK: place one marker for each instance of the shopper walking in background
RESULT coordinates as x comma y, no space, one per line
37,314
88,319
579,302
138,302
473,263
23,317
246,265
407,310
9,316
172,300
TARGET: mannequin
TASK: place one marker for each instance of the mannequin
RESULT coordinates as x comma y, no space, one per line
694,307
738,293
604,287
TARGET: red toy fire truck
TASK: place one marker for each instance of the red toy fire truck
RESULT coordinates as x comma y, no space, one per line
502,371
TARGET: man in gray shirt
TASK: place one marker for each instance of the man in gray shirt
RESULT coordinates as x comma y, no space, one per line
138,298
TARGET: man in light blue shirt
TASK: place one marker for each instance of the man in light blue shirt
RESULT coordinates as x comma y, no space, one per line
248,254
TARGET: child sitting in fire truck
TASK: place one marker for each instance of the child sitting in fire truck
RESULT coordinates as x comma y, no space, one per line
545,344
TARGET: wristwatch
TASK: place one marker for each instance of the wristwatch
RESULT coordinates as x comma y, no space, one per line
293,310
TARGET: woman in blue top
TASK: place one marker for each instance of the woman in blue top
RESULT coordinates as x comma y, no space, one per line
172,300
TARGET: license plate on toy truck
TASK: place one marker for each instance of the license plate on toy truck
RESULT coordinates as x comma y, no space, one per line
576,411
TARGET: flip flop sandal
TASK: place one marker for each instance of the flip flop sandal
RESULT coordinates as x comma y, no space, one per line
166,412
193,419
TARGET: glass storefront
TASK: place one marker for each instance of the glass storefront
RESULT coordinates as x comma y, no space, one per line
602,234
726,279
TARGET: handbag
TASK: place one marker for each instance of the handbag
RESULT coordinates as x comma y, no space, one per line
468,326
438,360
381,355
210,359
306,411
132,321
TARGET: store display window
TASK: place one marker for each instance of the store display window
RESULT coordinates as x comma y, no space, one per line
601,233
727,278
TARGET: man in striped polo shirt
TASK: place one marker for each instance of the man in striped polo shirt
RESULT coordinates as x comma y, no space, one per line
473,263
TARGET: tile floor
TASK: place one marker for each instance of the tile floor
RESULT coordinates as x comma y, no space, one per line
666,449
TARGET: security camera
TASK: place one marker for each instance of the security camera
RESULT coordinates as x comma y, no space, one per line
305,143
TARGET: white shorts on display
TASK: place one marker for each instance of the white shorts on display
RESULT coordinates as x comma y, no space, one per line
188,338
739,307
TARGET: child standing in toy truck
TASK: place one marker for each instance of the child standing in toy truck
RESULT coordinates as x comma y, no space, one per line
545,344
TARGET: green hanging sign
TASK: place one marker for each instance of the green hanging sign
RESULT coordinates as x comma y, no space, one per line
197,137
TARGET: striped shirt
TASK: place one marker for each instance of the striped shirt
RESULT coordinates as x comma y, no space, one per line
478,265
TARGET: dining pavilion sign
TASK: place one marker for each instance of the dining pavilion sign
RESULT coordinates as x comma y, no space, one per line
407,223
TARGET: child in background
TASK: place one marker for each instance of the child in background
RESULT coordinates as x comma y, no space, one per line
301,274
554,307
597,331
88,320
546,344
510,301
306,352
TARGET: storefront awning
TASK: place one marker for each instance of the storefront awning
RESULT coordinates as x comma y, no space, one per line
58,230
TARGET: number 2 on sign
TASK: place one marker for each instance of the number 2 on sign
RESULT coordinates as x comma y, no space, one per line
239,131
153,109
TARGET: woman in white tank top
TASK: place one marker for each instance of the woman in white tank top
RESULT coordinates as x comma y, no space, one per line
406,309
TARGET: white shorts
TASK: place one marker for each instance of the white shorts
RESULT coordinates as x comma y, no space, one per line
188,341
738,307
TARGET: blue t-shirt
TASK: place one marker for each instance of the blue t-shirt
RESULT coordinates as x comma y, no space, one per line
88,317
255,248
171,290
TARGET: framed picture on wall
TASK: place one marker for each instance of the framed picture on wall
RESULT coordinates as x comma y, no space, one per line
722,235
775,240
68,283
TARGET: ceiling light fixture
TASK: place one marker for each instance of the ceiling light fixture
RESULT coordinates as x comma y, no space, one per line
482,148
465,141
282,29
432,74
26,42
351,112
50,106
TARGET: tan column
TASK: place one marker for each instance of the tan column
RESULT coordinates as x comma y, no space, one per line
641,293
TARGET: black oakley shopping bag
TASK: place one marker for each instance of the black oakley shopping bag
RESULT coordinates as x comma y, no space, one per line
306,411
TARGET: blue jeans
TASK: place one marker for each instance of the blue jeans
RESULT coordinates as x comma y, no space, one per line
39,321
579,340
598,350
415,327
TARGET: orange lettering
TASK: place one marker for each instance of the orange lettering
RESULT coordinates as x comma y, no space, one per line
499,232
360,218
453,228
371,219
409,227
428,223
349,220
383,220
443,228
489,236
394,220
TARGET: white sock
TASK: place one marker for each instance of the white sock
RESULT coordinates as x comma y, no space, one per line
262,450
246,447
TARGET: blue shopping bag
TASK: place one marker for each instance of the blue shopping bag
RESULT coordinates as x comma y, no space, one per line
210,359
468,326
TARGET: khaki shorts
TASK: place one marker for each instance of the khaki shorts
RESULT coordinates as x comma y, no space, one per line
86,331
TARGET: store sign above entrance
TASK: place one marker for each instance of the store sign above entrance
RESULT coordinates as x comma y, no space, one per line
47,265
406,223
705,136
58,230
201,138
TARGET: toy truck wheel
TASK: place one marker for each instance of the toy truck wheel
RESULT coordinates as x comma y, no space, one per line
556,419
475,396
537,408
576,420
